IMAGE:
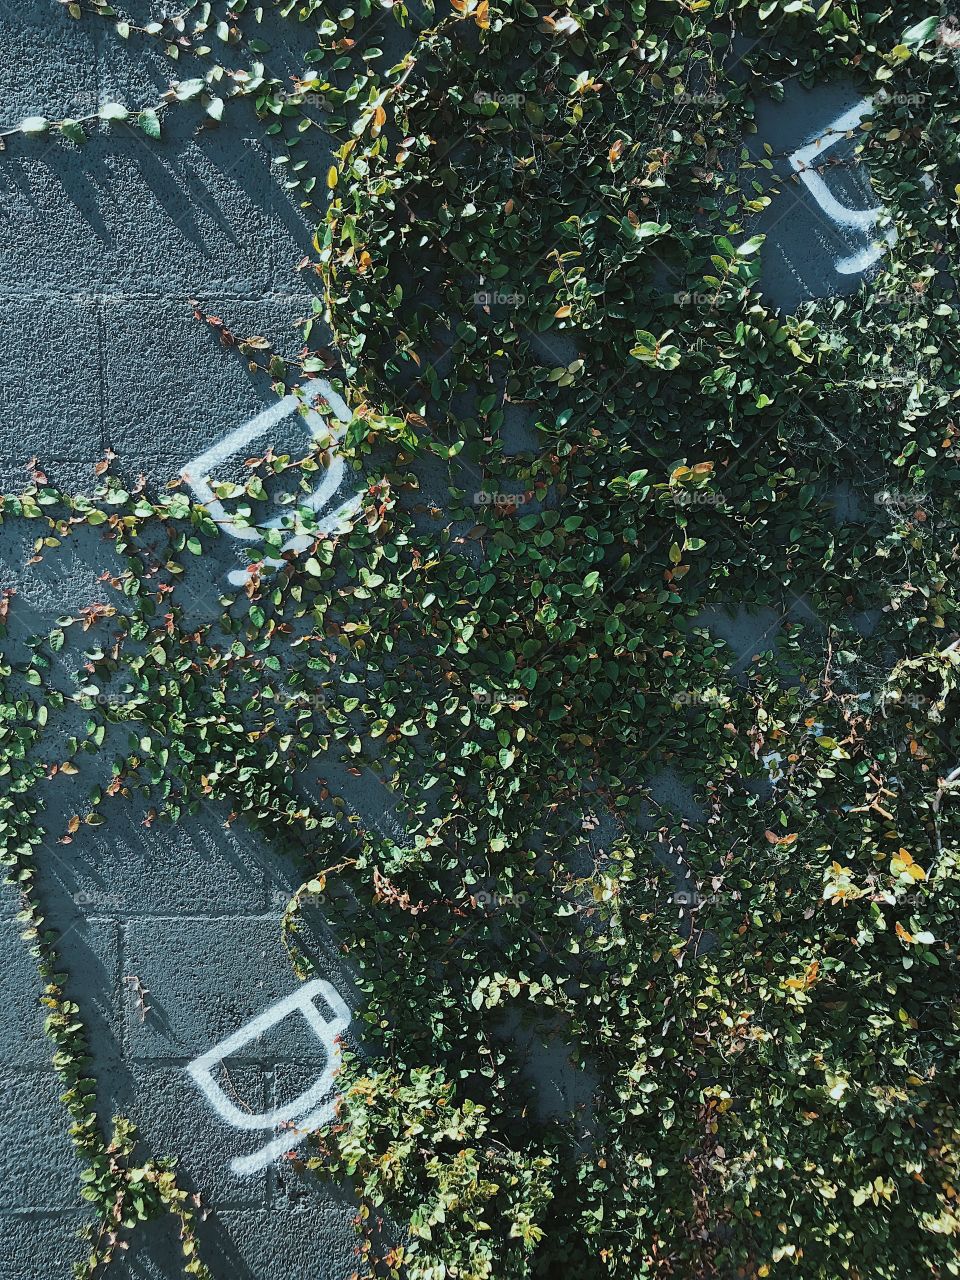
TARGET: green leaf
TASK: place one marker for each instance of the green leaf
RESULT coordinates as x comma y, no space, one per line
921,33
73,130
113,111
149,122
188,89
34,125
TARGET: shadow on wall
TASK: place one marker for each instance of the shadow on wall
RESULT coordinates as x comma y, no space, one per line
105,244
200,210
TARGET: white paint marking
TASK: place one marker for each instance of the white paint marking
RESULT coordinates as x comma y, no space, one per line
304,1109
197,472
858,220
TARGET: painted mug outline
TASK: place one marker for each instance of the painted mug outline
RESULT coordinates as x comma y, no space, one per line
304,1107
862,220
196,472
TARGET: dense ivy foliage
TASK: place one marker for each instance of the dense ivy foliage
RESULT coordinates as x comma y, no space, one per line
583,434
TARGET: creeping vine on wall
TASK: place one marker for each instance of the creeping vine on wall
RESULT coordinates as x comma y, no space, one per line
515,219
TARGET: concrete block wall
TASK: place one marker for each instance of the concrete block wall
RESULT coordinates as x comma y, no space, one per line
104,247
106,243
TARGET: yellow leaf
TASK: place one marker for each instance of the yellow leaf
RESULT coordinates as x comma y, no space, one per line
332,176
902,863
902,934
563,311
482,15
808,979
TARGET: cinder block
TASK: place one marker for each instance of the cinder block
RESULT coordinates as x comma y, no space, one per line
64,581
153,1252
38,1166
125,869
38,34
53,207
89,954
808,253
71,477
137,76
207,979
46,209
310,1244
50,402
746,631
40,1246
22,1040
174,1119
203,223
158,420
676,795
172,389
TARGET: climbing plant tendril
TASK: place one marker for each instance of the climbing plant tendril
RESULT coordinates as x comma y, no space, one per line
515,213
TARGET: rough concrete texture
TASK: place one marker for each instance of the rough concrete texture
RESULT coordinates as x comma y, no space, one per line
171,935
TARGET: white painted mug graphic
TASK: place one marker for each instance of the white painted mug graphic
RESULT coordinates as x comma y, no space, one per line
196,473
310,1109
862,221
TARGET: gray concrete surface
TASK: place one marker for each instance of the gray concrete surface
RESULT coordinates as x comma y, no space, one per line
103,248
